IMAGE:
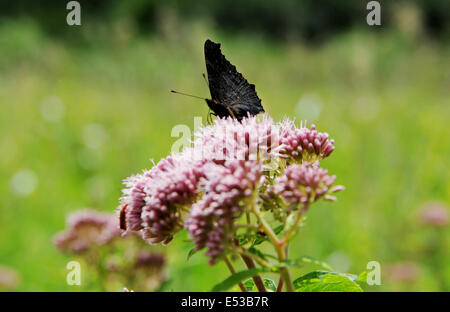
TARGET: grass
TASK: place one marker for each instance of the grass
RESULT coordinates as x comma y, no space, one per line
383,97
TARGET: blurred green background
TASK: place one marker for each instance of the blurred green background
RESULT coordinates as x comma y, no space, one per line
82,107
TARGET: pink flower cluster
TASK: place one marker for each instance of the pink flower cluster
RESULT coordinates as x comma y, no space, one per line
435,214
211,222
150,260
205,188
304,184
96,237
87,228
303,144
155,199
227,139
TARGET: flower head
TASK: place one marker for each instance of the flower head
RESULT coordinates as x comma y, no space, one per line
148,271
155,199
169,193
133,201
86,229
9,278
405,271
435,214
303,144
304,184
211,222
228,139
150,260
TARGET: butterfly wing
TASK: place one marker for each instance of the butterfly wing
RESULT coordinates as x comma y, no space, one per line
228,87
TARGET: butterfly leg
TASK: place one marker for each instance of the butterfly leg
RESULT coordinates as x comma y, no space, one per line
210,117
231,112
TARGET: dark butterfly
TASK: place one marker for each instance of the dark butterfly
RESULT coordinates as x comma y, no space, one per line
231,94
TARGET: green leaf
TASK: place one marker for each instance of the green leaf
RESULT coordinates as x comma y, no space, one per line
242,241
249,284
262,238
307,260
269,284
259,240
309,276
191,253
278,229
362,277
239,277
290,220
326,281
259,253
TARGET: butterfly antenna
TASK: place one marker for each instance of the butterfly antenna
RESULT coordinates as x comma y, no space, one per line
198,97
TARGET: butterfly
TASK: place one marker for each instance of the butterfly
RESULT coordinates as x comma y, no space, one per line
231,94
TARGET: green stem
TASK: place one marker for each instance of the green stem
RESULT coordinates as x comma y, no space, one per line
278,245
291,231
280,281
266,227
284,271
230,267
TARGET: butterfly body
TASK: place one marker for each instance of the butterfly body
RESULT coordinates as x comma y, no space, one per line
218,109
232,95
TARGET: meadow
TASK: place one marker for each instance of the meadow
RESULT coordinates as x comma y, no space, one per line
77,118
